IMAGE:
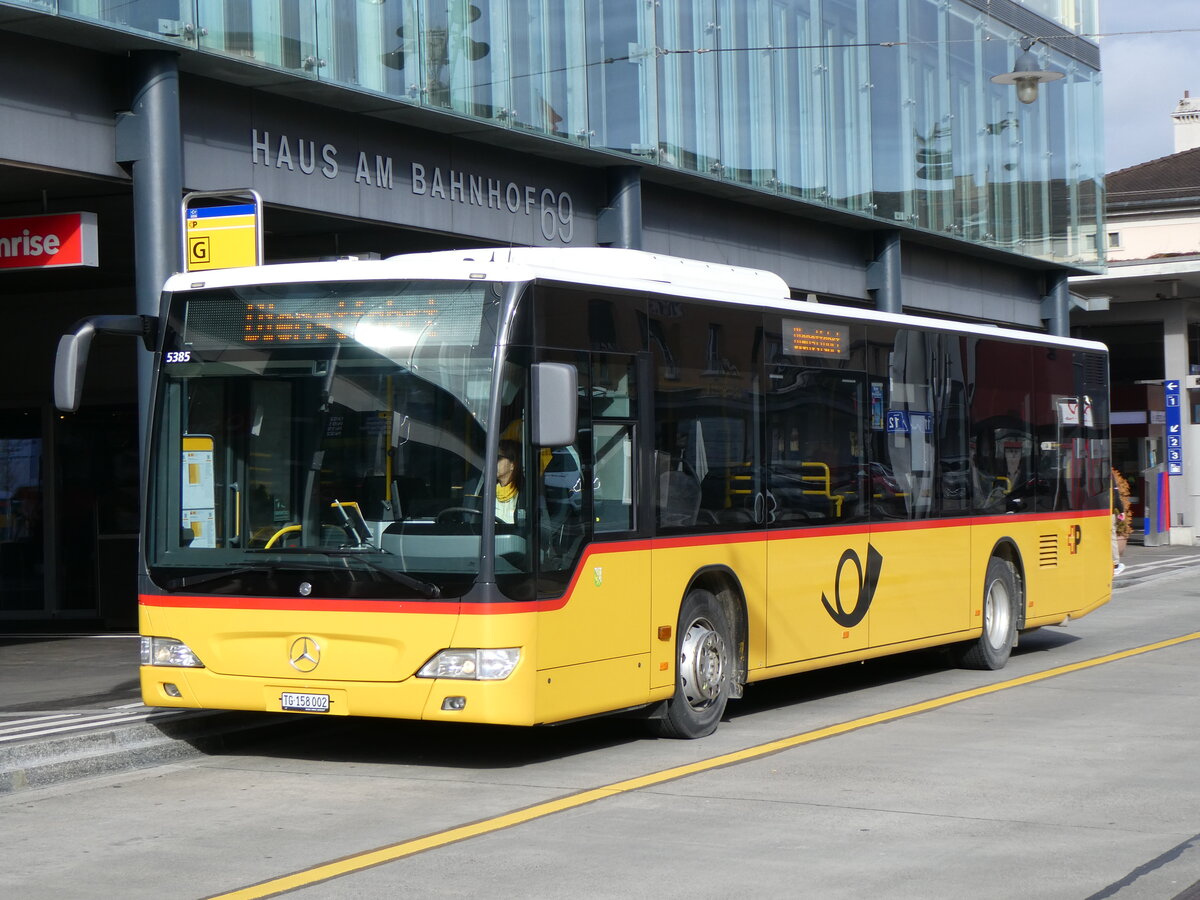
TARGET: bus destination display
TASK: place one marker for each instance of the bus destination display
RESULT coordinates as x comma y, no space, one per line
382,319
825,339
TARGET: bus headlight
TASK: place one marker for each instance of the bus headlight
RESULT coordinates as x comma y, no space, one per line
160,651
472,665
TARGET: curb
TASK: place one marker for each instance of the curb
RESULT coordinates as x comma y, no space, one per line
171,737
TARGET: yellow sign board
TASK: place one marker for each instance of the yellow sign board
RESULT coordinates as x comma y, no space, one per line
221,237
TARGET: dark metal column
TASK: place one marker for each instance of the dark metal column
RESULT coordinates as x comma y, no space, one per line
1056,305
150,147
883,273
620,223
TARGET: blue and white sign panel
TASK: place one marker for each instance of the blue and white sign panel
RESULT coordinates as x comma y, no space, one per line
1174,427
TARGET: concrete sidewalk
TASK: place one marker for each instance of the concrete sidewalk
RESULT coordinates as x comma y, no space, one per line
70,705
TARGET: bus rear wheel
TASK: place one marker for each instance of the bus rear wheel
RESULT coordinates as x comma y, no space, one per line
1001,596
704,667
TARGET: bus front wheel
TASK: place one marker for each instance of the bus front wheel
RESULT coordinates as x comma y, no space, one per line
704,668
1001,596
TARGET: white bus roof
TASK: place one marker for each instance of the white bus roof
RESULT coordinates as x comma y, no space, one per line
599,267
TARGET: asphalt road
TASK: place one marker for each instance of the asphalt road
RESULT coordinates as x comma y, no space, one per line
1070,774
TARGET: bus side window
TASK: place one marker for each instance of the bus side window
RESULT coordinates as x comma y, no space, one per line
613,498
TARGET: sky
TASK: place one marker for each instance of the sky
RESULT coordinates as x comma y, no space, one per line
1145,75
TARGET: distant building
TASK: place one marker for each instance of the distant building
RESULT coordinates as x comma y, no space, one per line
1187,123
1147,309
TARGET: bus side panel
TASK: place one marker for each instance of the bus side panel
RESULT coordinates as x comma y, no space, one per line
605,614
1065,562
814,582
1068,565
674,569
591,688
924,582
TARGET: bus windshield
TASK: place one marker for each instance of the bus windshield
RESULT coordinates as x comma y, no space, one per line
323,438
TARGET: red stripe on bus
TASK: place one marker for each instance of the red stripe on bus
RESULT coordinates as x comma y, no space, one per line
511,607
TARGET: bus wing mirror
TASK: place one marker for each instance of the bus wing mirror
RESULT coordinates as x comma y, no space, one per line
555,404
71,360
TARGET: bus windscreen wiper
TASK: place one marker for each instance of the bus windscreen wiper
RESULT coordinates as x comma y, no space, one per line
427,589
190,581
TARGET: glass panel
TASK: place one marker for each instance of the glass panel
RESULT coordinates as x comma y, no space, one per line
967,133
892,152
1079,16
163,18
48,5
687,84
816,459
546,48
1001,149
464,56
614,387
621,76
1001,426
276,33
846,94
909,412
932,122
335,429
799,75
614,479
1070,418
370,46
747,100
707,414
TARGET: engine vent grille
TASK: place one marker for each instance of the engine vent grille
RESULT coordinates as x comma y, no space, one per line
1048,551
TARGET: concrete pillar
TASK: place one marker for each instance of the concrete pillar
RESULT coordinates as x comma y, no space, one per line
1056,305
620,223
884,280
150,145
1185,491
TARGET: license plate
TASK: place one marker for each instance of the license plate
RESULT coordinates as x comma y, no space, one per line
316,703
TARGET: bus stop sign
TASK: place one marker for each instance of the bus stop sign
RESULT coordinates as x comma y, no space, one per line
223,235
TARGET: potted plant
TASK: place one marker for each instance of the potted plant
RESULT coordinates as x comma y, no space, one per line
1124,523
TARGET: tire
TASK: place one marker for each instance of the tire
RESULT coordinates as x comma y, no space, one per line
1001,604
705,668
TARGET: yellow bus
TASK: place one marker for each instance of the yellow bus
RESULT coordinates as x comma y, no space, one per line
528,486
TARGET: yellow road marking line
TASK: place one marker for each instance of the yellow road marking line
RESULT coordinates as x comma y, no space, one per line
393,852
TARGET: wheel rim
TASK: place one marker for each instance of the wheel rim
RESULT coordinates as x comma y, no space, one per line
997,615
702,664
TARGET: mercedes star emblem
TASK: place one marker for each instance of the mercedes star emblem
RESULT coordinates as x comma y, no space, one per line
305,654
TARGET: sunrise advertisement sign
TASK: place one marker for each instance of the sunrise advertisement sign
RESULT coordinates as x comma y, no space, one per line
55,241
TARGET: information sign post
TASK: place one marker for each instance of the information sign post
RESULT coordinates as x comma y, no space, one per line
1174,428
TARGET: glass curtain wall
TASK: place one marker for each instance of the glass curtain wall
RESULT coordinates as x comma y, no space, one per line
883,108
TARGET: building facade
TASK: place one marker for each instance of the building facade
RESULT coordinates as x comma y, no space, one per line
859,148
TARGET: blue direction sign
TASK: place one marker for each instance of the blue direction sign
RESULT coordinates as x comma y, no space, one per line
1174,423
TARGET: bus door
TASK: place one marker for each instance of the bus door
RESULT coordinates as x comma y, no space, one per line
821,570
587,508
920,485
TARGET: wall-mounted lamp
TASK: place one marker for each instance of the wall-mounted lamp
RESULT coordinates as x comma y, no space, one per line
1027,73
